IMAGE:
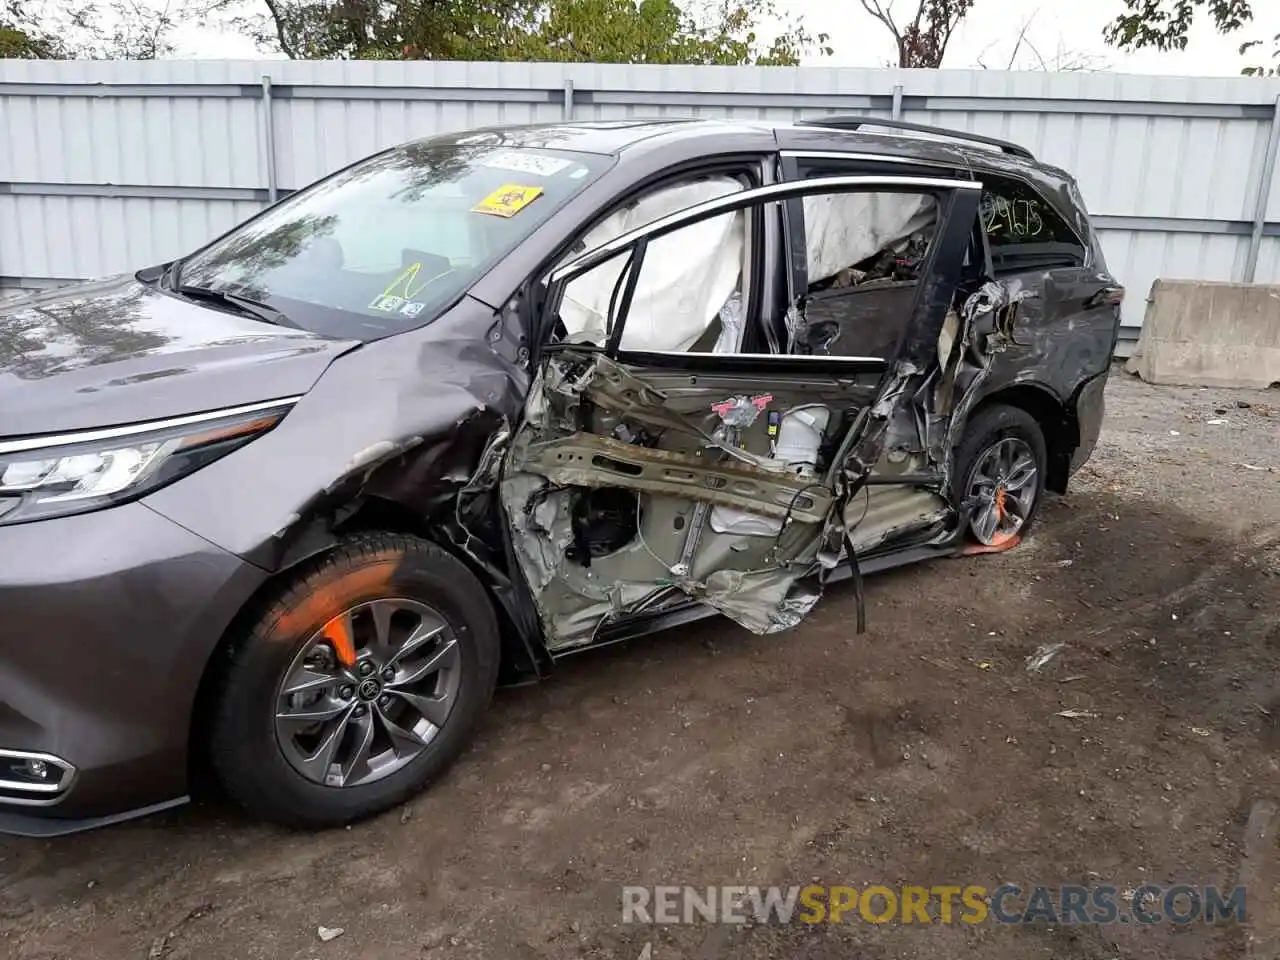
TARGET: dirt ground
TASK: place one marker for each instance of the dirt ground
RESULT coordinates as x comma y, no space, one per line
923,752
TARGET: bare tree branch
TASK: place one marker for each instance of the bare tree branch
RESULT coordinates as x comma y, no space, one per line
1017,46
286,44
1036,53
885,16
924,40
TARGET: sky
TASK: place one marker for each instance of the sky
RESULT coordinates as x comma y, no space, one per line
1062,33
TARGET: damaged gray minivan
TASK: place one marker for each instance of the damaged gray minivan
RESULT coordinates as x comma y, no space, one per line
285,510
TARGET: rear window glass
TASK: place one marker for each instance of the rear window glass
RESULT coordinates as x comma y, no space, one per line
1024,231
386,245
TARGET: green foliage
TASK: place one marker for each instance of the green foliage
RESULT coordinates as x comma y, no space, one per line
21,37
1260,70
95,29
1164,24
16,45
600,31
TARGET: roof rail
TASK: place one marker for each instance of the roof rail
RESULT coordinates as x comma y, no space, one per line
855,121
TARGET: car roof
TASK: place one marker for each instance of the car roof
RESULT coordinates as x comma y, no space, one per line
617,137
605,137
644,145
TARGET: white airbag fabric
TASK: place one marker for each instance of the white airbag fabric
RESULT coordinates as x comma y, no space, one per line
846,228
687,278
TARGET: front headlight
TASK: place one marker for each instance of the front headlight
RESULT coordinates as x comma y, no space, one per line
54,476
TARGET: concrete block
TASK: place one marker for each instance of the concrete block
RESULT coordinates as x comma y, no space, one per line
1209,334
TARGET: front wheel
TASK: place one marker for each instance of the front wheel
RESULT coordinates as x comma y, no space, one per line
999,474
358,685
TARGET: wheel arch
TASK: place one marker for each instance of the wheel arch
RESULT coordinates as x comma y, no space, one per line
1055,418
519,662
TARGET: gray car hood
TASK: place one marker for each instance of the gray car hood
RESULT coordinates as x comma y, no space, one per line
116,351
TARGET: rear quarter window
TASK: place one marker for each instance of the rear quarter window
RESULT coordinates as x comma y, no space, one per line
1024,231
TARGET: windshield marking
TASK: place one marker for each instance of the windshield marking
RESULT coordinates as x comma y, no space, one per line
407,293
538,164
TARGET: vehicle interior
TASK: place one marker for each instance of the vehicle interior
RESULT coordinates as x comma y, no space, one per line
639,482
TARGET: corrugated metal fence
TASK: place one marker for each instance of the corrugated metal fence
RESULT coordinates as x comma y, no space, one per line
105,167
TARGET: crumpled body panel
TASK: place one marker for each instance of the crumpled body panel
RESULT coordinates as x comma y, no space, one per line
604,447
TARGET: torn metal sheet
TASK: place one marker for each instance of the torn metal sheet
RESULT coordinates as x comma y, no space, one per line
586,461
921,428
673,471
614,388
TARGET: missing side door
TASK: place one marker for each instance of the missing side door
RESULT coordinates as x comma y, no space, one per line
640,482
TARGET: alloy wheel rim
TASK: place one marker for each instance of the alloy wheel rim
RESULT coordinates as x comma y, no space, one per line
1002,490
368,692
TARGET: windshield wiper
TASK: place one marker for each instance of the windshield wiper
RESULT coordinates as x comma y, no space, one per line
171,273
246,305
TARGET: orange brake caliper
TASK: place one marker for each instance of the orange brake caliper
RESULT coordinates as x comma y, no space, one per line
338,632
1001,543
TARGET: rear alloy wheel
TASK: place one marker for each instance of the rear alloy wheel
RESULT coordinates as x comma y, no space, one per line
360,682
1000,468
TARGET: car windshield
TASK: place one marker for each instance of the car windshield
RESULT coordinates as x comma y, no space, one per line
388,244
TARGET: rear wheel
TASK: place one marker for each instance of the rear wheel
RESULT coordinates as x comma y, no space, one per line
999,474
358,685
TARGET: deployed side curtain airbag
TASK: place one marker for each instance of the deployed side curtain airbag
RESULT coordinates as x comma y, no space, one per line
843,229
687,278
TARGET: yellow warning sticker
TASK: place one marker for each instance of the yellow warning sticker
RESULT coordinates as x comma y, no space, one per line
508,200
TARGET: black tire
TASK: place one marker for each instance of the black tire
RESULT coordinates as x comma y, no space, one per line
990,425
246,758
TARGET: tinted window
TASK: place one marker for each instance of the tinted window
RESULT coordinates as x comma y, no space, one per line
1023,229
384,246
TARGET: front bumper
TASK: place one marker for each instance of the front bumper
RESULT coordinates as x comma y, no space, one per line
107,621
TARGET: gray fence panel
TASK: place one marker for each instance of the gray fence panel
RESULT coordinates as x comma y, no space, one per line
108,166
